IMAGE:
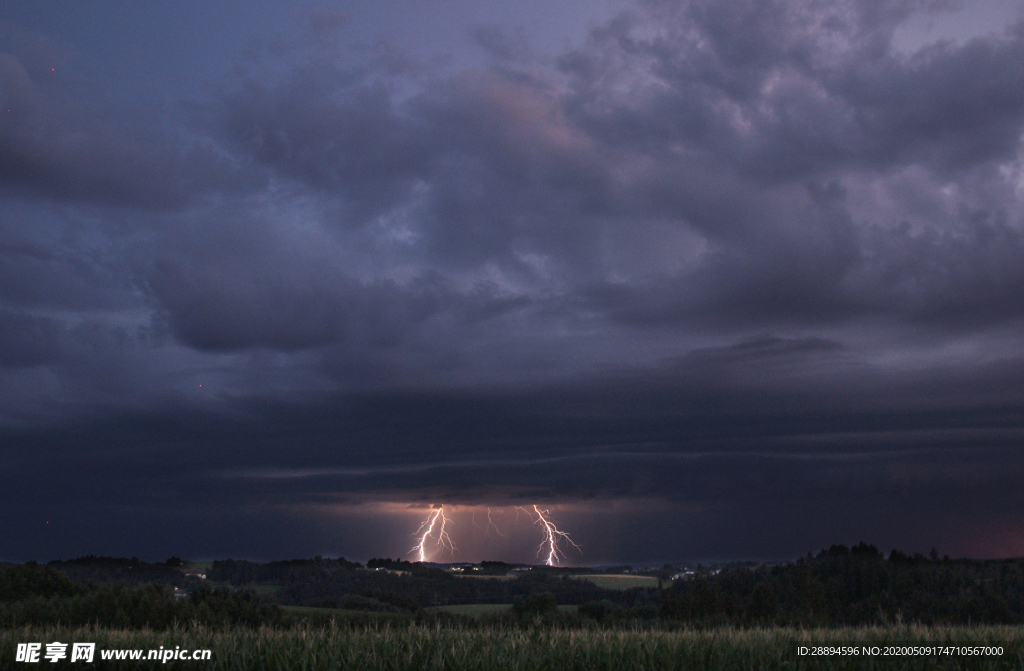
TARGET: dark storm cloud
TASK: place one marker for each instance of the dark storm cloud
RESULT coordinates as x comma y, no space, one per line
722,437
333,130
60,139
966,276
744,258
788,90
26,340
501,45
736,122
220,300
752,93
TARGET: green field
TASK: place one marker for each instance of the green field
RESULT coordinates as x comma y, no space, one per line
479,609
473,609
505,576
620,581
197,567
441,649
311,610
323,616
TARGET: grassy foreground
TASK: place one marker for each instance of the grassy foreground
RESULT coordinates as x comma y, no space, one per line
528,649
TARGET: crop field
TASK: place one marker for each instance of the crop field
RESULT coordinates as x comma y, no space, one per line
323,616
613,581
506,576
603,580
481,609
474,609
439,649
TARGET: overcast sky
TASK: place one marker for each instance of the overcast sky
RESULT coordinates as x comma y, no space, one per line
707,280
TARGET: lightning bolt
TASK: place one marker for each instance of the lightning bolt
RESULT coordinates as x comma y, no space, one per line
427,530
491,524
520,509
551,537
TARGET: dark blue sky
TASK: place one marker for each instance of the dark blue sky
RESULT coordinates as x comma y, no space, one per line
734,279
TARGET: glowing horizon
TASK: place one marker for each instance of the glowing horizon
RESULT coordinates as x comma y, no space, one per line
434,534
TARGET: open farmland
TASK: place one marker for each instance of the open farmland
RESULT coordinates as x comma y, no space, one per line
481,609
431,649
623,581
486,576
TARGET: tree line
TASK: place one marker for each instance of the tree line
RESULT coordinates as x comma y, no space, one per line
31,594
853,586
838,586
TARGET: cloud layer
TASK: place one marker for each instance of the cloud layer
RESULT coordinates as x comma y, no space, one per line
746,259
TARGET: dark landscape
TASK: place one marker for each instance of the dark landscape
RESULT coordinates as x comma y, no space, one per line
734,615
